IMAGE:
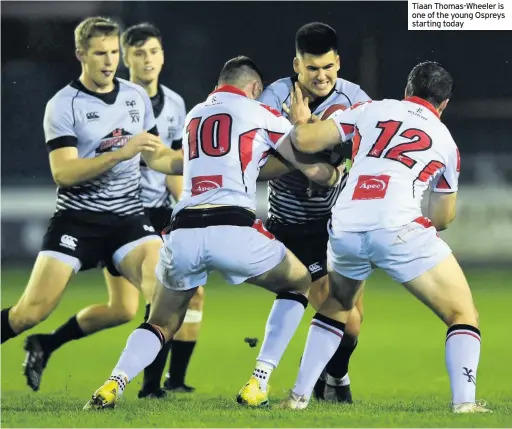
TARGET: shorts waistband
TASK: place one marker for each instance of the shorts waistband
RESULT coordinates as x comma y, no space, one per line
202,218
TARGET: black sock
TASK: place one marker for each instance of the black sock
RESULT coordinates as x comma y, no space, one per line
153,373
69,331
338,365
7,332
181,351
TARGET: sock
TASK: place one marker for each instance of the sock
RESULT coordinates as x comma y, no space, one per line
141,349
262,373
6,330
324,337
69,331
181,351
282,322
462,355
337,367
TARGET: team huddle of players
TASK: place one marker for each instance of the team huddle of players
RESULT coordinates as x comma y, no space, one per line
133,168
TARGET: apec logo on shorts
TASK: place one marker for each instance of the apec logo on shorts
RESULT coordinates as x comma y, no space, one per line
202,184
68,241
371,187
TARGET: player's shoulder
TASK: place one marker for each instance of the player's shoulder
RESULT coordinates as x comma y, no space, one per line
127,86
280,88
64,95
350,90
172,95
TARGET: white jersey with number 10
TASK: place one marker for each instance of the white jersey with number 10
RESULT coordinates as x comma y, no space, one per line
399,149
226,141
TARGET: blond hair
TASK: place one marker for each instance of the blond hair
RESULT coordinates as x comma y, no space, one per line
93,27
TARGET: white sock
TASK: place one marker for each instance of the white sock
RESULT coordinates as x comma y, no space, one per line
141,349
262,373
323,340
462,356
282,322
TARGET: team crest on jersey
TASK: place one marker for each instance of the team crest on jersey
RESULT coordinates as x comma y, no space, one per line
116,139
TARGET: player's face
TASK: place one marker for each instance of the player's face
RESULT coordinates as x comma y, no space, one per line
317,73
145,62
101,59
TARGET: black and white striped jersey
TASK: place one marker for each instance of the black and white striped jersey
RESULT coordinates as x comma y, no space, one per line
169,110
288,199
96,123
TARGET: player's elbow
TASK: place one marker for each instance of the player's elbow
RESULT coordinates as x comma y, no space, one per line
301,139
441,223
62,179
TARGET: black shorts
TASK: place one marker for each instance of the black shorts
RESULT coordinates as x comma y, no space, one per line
307,241
160,217
93,237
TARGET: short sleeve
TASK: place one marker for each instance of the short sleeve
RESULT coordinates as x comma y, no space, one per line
277,126
58,124
448,180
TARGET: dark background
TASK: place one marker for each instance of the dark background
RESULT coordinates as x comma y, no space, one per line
376,49
377,52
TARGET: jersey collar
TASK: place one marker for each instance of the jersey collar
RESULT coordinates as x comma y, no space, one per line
424,103
231,89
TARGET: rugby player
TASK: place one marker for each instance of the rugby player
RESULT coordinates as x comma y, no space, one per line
143,55
214,227
295,215
400,149
96,129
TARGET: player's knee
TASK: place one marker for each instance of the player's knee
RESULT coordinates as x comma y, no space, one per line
124,313
27,317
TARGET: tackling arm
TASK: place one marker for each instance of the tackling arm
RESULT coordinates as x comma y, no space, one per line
165,160
313,168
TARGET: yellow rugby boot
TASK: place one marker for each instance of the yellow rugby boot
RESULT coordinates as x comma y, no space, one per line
107,395
252,395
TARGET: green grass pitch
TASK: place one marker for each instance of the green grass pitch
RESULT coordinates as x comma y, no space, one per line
397,372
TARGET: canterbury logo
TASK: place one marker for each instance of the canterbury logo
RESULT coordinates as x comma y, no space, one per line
92,115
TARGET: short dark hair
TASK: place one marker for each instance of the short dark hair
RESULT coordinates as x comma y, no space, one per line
137,35
239,68
430,81
316,38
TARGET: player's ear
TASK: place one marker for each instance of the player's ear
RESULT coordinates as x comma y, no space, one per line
296,64
443,105
79,55
338,63
125,61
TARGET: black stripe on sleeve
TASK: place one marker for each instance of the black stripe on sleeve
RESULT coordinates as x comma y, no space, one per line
60,142
153,131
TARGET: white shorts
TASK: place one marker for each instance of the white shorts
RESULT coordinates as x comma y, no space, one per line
237,252
404,253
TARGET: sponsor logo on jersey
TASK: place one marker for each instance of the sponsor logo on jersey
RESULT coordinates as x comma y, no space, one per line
202,184
371,187
92,116
116,139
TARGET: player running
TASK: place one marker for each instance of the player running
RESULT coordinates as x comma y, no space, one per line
296,216
144,57
399,149
214,228
96,129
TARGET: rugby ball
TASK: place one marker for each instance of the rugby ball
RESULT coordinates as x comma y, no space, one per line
330,110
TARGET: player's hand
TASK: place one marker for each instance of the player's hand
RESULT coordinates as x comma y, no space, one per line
144,142
298,112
